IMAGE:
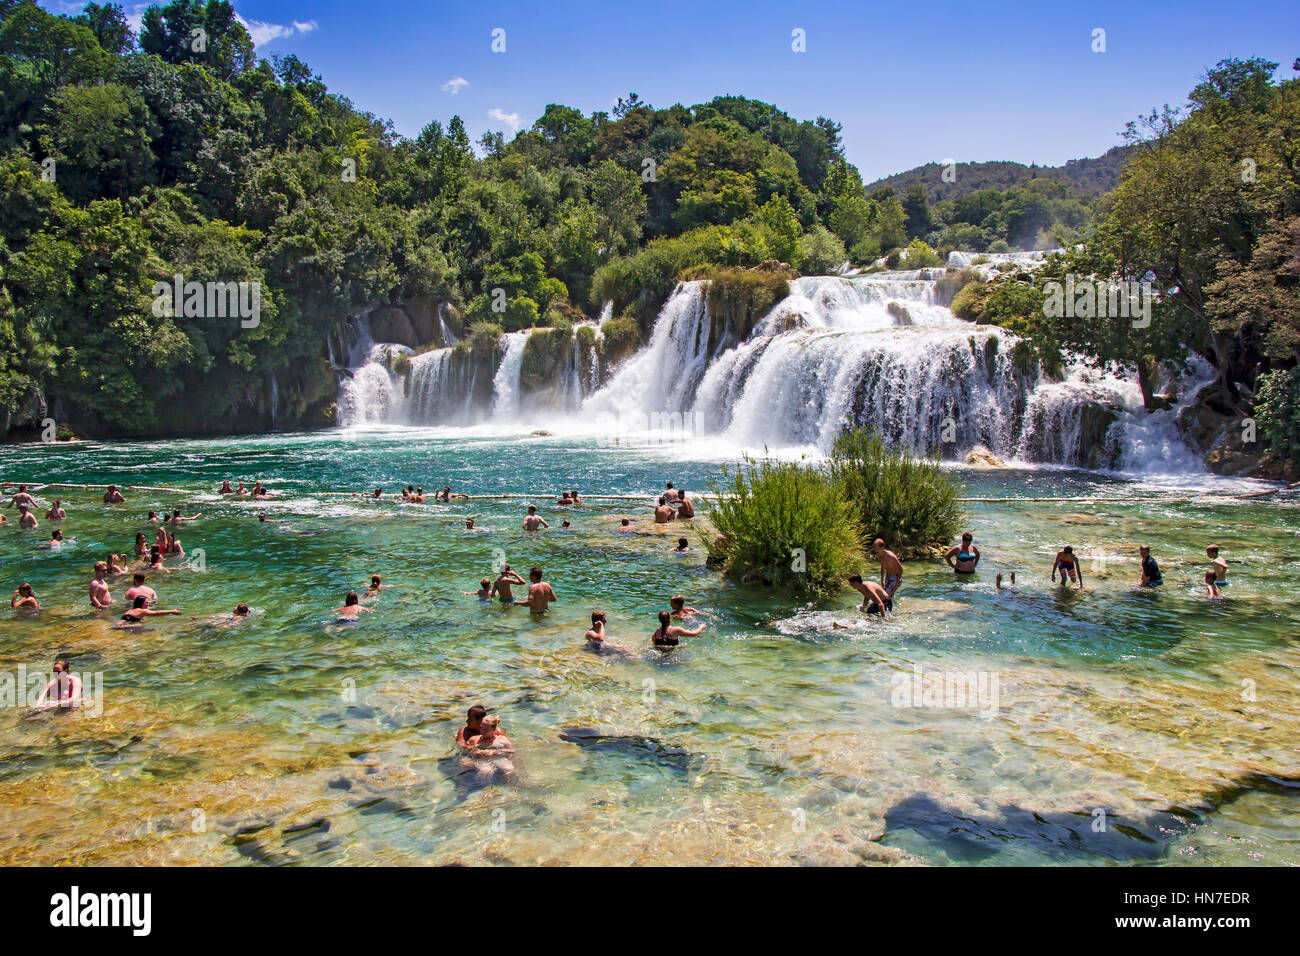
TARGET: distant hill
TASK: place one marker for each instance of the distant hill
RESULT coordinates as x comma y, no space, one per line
1083,177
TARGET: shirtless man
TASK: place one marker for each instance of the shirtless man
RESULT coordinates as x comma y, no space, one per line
473,725
874,598
258,491
626,526
680,610
140,589
1212,585
1069,566
178,518
685,509
534,521
469,525
113,496
540,594
24,598
21,497
891,569
501,587
564,499
25,518
664,512
670,492
56,542
99,596
1218,565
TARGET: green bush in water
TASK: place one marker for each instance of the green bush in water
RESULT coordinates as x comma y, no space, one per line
908,501
921,256
785,523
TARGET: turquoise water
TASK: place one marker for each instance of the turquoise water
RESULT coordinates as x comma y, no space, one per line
1127,727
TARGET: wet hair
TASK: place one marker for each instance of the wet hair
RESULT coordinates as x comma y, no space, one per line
625,522
24,588
597,617
485,582
532,508
669,485
491,723
241,609
855,579
153,514
565,523
351,599
682,543
535,574
138,578
374,579
664,620
1068,550
140,601
1144,547
477,712
100,564
677,602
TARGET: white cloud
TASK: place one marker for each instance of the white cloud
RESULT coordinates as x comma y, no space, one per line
510,119
453,85
263,33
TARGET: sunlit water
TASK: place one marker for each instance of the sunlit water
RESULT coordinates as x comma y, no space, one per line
1128,727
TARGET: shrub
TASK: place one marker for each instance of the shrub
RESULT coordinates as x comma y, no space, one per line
908,501
921,256
865,251
821,251
1277,406
999,245
484,336
544,353
784,523
619,339
950,283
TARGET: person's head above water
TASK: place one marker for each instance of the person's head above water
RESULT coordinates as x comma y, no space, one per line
625,522
485,583
374,580
535,575
664,620
351,599
677,602
241,610
682,543
140,601
597,617
469,522
532,509
474,716
489,725
138,578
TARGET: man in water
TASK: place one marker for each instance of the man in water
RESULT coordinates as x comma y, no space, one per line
597,640
140,589
540,594
113,496
564,499
566,523
534,521
178,518
21,497
1150,570
891,569
25,518
626,526
874,598
1218,565
963,558
683,546
679,608
473,725
670,492
469,525
501,587
99,596
685,509
664,512
1068,565
484,592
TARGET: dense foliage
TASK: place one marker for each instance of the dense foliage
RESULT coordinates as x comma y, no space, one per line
125,161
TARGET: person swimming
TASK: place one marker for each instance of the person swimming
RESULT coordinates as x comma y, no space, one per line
351,609
597,638
56,512
963,558
683,546
533,521
141,545
491,749
678,605
112,496
1212,585
134,616
140,589
64,689
26,519
1068,564
473,725
376,586
668,634
626,527
225,489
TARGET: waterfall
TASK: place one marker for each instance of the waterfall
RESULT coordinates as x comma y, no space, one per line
875,349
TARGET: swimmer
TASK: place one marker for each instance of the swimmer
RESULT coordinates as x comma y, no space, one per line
375,586
156,561
258,491
501,587
484,592
1011,587
964,558
154,519
446,494
679,608
174,546
26,519
225,489
564,499
1150,570
685,509
891,568
56,541
113,496
875,600
626,527
418,497
351,608
1069,566
1212,585
540,594
596,637
116,563
664,512
670,492
682,546
24,598
262,518
1217,564
241,490
375,495
56,512
178,518
668,634
63,690
534,521
573,496
566,523
469,525
140,589
135,615
99,596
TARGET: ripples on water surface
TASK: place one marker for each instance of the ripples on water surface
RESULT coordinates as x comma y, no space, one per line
1130,727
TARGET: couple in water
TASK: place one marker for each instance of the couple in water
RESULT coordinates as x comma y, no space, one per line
666,635
484,747
540,594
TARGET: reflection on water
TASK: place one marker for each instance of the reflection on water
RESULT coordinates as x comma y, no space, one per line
1128,727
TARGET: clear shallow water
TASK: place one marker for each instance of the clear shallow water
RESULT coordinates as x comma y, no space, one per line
1120,732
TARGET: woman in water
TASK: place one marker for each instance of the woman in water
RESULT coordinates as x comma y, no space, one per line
139,610
1068,564
964,558
63,690
596,637
667,634
56,512
351,609
141,545
24,598
491,750
155,560
225,489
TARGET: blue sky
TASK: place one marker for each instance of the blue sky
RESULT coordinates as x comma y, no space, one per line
910,82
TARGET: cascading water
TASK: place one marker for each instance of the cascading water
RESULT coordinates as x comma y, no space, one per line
877,349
